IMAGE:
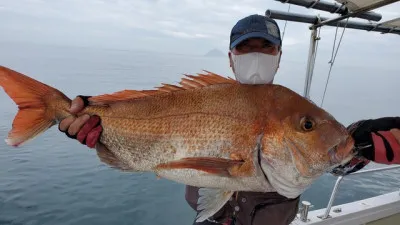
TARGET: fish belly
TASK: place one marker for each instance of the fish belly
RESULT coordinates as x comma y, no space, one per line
203,179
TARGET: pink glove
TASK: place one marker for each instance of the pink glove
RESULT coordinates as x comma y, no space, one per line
387,147
375,140
86,129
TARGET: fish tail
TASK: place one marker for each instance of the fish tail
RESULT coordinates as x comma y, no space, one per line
39,106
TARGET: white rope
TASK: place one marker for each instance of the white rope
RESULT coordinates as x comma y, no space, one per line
284,28
334,43
332,61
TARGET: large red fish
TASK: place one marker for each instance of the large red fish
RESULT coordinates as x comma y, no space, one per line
210,132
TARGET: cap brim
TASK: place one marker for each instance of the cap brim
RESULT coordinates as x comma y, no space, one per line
267,37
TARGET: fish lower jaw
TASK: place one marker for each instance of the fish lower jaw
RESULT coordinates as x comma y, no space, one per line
342,152
336,160
343,162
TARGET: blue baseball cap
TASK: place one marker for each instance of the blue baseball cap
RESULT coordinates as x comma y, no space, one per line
255,26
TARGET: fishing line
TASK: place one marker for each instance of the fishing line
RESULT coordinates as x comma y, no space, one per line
332,61
284,28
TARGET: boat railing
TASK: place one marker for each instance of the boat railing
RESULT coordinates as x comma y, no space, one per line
306,205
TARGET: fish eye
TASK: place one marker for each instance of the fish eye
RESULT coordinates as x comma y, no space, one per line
307,124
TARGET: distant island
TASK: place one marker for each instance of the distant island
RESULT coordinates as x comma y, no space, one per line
215,53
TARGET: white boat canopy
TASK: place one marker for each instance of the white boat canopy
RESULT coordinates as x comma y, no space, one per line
392,24
354,5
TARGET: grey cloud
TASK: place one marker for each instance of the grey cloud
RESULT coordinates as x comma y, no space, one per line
164,25
194,27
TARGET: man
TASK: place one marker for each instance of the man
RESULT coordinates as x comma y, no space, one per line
255,51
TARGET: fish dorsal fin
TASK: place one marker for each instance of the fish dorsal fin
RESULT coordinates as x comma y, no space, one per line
188,82
119,96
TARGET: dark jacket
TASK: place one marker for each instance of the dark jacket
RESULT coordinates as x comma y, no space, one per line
251,208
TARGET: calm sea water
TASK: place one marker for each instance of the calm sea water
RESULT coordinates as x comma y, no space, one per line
55,180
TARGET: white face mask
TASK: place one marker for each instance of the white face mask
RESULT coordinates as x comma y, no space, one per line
255,67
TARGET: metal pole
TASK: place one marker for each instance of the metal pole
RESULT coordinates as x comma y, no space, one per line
333,195
295,17
332,8
310,63
340,178
374,170
304,211
356,12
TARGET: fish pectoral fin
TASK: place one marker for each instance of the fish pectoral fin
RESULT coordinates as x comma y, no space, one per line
223,167
210,202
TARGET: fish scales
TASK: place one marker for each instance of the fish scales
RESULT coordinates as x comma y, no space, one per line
163,140
163,128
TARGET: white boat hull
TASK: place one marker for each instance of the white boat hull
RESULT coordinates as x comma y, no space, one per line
380,210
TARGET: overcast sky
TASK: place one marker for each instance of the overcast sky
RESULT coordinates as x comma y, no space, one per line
181,26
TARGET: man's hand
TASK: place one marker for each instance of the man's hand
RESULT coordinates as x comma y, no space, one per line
376,140
86,129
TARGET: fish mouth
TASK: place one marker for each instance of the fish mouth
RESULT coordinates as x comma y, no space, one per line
332,154
294,182
339,154
342,152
